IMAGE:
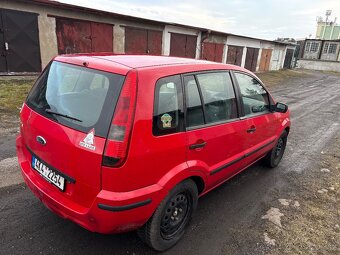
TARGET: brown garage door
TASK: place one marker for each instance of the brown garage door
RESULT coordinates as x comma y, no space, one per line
251,59
182,45
234,56
266,56
76,36
19,42
212,51
143,41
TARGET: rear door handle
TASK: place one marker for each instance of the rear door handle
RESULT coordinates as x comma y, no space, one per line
252,129
197,145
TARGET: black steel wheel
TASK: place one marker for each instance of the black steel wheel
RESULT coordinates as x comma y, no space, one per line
176,215
274,156
166,227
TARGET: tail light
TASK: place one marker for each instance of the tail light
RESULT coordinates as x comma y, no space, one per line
120,131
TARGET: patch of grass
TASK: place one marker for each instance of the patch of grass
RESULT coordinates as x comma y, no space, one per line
13,93
273,78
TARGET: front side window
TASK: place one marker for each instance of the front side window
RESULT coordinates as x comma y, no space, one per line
168,109
255,98
218,96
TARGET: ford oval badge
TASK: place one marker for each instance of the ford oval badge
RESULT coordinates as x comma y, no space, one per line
41,140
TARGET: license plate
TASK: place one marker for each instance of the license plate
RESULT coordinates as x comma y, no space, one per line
48,174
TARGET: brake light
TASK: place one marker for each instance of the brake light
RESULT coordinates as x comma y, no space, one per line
119,135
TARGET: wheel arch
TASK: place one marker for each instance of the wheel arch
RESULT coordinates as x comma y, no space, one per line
172,178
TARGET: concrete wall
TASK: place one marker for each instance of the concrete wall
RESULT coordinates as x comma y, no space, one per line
241,41
319,65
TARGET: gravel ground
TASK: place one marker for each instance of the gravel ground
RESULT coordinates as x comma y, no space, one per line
293,209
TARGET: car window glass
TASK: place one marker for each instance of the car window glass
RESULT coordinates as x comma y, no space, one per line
254,96
218,96
167,107
195,115
82,93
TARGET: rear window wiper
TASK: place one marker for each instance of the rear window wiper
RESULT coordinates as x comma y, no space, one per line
62,115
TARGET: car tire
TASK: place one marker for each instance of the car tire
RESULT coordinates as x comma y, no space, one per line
274,156
167,225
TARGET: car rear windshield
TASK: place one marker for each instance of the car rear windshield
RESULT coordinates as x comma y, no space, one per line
77,97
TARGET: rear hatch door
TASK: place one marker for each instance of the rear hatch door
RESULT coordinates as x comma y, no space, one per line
71,111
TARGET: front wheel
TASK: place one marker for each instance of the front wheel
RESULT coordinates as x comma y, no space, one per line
166,227
274,156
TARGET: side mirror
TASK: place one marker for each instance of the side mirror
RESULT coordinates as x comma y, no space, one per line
280,107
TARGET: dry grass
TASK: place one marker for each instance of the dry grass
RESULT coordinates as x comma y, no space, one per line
274,78
313,228
13,92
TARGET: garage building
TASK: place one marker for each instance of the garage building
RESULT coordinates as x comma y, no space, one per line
33,32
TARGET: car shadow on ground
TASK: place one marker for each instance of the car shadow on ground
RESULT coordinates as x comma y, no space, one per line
45,232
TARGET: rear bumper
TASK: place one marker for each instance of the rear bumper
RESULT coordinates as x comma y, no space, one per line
110,212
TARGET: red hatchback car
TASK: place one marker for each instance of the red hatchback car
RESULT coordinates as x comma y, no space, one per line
119,143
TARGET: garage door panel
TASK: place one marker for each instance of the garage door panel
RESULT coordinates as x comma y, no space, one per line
135,41
239,53
255,57
269,56
3,65
265,59
234,56
251,59
208,50
21,36
102,37
231,56
155,42
212,51
73,36
191,44
177,45
219,52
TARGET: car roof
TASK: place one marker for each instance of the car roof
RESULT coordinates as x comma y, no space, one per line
127,62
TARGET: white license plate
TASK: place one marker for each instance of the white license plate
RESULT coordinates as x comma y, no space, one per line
46,172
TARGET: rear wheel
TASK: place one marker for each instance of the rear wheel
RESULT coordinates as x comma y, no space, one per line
166,227
274,156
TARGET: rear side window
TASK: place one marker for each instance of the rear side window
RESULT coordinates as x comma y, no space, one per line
168,106
195,116
255,98
77,97
218,96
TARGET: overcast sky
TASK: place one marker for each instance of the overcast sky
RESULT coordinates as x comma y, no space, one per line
267,19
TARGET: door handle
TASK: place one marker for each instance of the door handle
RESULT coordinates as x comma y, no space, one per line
252,129
197,145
